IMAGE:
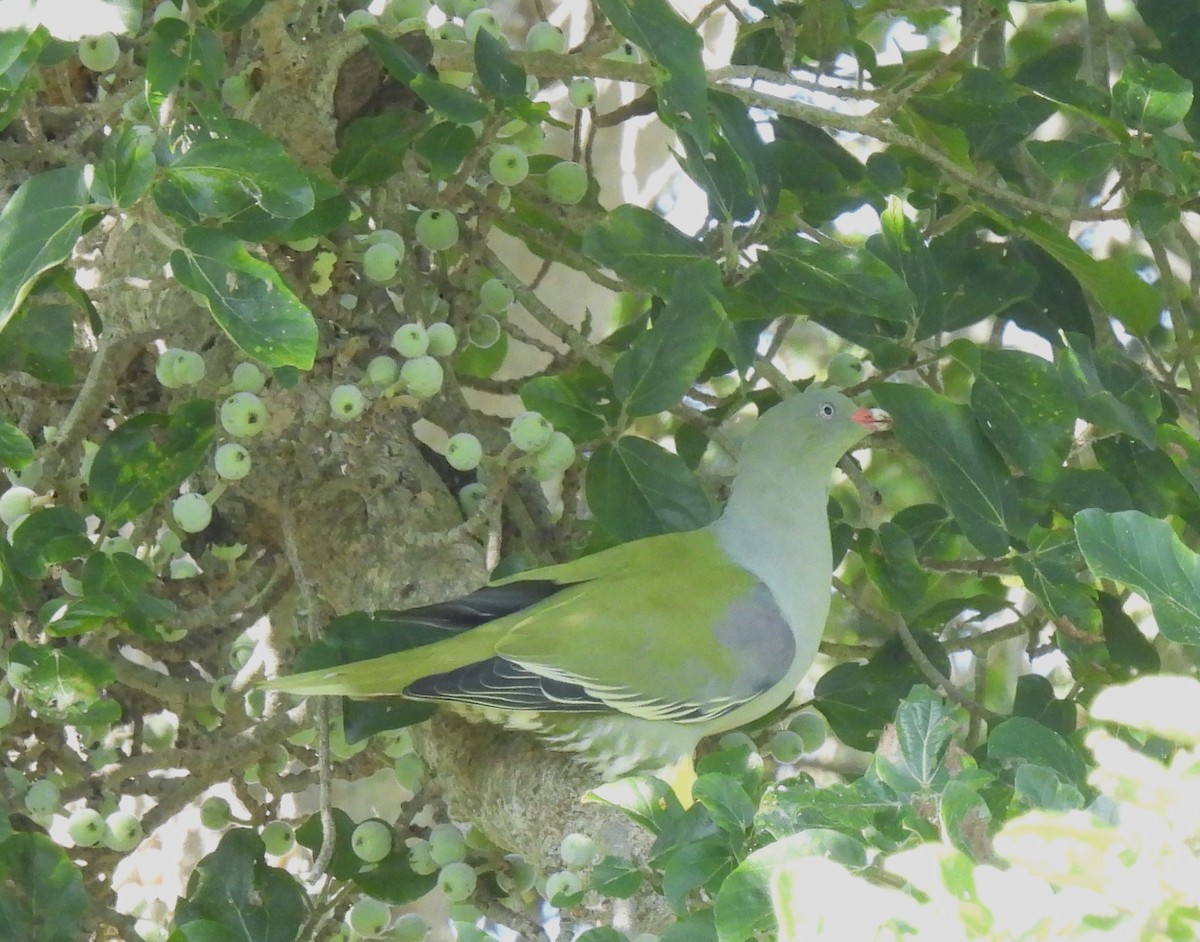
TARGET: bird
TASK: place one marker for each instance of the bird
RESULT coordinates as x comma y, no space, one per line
630,656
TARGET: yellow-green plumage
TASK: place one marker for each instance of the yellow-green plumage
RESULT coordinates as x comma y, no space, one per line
630,656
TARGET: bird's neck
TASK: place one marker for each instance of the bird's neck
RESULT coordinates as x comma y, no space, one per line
777,527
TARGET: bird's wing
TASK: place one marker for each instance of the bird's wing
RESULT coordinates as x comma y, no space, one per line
663,628
668,629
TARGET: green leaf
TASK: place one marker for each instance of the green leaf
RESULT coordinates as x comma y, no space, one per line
1117,289
399,62
676,48
45,537
1152,211
1035,786
229,15
1151,95
183,59
247,168
65,684
1022,406
481,362
39,227
1019,739
1111,393
694,927
16,450
450,102
1049,569
503,79
924,728
1126,644
698,864
393,879
901,246
344,864
971,475
445,146
1146,554
895,568
247,298
726,802
965,818
19,53
636,488
646,799
641,247
616,877
453,103
125,580
578,402
858,700
1184,452
834,277
234,886
745,150
600,933
67,617
126,168
1077,160
663,363
168,54
801,805
743,906
42,898
148,457
374,147
39,340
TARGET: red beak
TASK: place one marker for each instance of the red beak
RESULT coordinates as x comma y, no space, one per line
876,420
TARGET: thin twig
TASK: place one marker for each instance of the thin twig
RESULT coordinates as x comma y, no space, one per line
1183,336
893,101
936,677
307,611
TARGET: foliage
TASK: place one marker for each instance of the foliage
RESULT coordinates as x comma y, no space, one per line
985,233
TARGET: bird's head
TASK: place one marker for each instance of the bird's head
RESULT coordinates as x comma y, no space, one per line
813,428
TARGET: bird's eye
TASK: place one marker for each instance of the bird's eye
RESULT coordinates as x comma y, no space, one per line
826,409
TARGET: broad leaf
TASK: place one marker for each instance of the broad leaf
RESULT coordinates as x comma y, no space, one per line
503,79
974,481
1021,405
39,340
636,489
834,277
16,450
923,730
248,298
42,898
579,402
1151,95
126,169
247,168
146,458
39,227
1117,289
234,886
1049,570
744,903
640,246
1019,740
675,47
663,363
374,147
1146,554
